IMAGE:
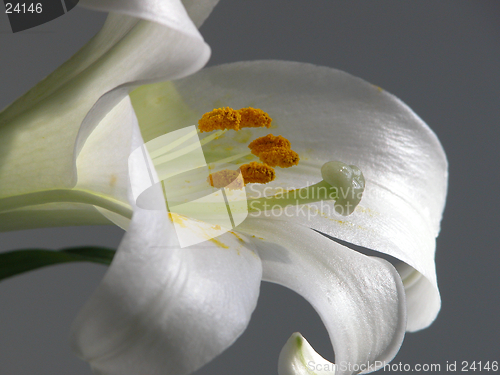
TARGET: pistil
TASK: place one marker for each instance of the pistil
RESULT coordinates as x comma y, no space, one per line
342,183
346,193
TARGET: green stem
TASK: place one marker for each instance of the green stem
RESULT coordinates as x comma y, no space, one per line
16,262
65,196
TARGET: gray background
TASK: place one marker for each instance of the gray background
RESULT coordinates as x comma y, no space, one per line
440,57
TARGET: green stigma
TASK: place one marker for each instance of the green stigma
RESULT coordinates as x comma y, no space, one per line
349,182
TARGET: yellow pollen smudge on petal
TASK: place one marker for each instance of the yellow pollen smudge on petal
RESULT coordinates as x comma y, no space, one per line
218,243
226,179
237,236
254,118
257,173
274,151
177,219
220,119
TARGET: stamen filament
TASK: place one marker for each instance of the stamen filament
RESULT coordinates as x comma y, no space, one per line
230,159
156,153
174,155
159,156
211,137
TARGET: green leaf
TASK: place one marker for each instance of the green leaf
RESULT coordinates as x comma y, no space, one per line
19,261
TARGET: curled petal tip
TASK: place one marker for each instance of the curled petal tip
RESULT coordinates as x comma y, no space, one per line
299,358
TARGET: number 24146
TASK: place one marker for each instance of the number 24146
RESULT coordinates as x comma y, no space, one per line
23,8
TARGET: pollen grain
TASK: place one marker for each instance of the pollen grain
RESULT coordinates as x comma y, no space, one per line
228,118
220,119
257,173
274,151
267,142
280,157
254,118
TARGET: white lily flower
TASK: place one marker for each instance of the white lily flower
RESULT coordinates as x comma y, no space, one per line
162,309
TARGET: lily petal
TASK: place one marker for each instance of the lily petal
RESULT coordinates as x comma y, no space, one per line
43,132
165,310
420,297
330,115
102,173
360,299
103,162
299,358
